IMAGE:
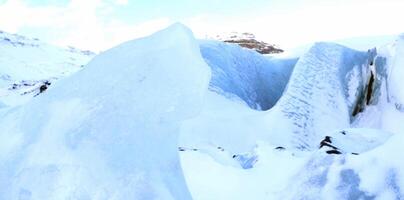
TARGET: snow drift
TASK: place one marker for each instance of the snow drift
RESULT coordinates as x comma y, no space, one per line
110,130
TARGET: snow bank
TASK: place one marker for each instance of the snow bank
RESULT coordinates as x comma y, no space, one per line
110,130
246,74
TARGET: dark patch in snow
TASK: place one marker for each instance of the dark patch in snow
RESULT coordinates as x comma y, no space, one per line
186,149
280,148
333,152
220,148
370,88
326,142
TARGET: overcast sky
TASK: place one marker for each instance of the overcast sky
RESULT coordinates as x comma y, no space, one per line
101,24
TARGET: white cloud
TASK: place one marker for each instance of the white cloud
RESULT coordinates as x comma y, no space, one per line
89,25
122,2
315,20
83,24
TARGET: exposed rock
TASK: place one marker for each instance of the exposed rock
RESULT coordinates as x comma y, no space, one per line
248,40
280,148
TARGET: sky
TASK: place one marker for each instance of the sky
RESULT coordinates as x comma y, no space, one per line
101,24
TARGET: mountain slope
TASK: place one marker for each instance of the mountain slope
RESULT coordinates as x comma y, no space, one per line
26,64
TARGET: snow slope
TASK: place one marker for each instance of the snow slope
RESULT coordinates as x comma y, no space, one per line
109,131
26,63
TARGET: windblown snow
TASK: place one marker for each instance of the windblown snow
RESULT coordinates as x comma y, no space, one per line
172,117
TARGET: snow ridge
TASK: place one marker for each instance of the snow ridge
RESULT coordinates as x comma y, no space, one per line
315,101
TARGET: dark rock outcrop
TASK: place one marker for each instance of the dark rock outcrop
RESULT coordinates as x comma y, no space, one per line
248,40
259,46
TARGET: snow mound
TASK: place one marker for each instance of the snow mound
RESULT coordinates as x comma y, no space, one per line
110,130
318,98
257,80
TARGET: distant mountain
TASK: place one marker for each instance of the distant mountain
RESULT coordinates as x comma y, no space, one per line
248,40
26,64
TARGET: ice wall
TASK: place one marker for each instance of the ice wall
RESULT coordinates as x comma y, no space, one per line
109,131
326,83
257,80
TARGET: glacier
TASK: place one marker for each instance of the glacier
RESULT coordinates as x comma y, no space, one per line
318,98
334,91
236,72
170,116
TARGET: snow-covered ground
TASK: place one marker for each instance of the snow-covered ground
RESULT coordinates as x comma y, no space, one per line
26,64
172,117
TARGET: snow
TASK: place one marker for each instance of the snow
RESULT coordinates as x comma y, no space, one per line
373,174
360,43
172,117
226,181
102,133
260,170
29,62
358,140
397,72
